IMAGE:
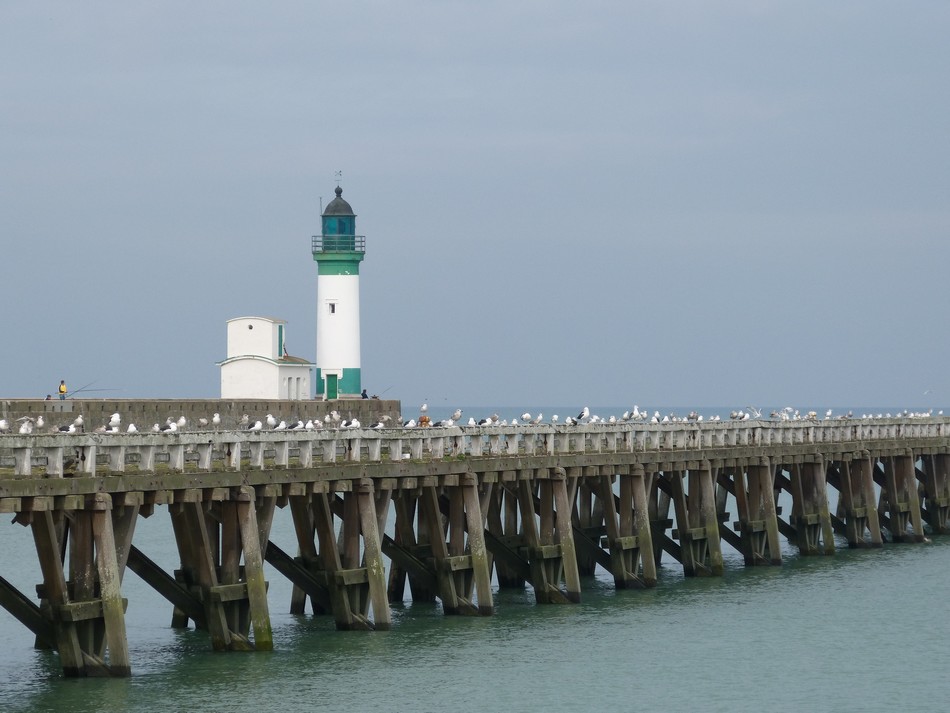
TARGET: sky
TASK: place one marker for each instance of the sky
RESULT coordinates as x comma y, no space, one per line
657,202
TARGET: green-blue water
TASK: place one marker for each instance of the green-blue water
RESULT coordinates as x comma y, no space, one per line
864,630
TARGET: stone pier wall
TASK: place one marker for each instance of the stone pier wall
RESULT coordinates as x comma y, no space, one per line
145,412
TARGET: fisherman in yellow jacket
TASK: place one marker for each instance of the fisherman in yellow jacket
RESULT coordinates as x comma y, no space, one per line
62,389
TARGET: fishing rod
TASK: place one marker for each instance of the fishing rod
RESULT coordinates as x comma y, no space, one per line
91,391
70,393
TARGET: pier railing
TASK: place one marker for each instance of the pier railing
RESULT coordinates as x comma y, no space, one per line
50,455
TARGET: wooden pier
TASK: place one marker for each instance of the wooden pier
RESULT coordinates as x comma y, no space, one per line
541,505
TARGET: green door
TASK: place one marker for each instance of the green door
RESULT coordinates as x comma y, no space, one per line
331,386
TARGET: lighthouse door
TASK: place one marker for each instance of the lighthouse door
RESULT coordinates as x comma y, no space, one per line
331,386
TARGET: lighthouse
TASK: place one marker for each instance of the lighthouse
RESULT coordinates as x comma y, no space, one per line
338,253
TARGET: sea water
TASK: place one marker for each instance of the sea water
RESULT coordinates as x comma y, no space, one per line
861,630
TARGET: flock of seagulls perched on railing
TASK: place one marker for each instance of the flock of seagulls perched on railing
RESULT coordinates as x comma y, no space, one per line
334,420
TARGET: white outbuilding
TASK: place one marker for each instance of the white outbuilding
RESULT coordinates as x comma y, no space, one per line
258,365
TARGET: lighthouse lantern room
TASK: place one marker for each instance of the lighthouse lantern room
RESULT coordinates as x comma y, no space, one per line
338,253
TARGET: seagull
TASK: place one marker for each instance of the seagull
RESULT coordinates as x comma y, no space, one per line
271,421
486,422
353,423
26,427
78,421
115,420
554,418
4,425
131,428
282,426
170,427
457,415
537,419
244,420
526,417
300,425
378,424
256,426
423,408
71,428
203,422
181,422
471,421
156,428
216,420
309,425
411,423
585,413
40,422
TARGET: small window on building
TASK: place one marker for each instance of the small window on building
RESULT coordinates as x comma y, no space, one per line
332,307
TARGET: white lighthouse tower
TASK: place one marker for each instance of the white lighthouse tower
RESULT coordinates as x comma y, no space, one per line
338,253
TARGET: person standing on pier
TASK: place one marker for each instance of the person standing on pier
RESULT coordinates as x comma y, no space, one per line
62,389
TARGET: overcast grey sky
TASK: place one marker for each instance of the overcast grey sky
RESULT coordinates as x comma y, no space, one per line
679,203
